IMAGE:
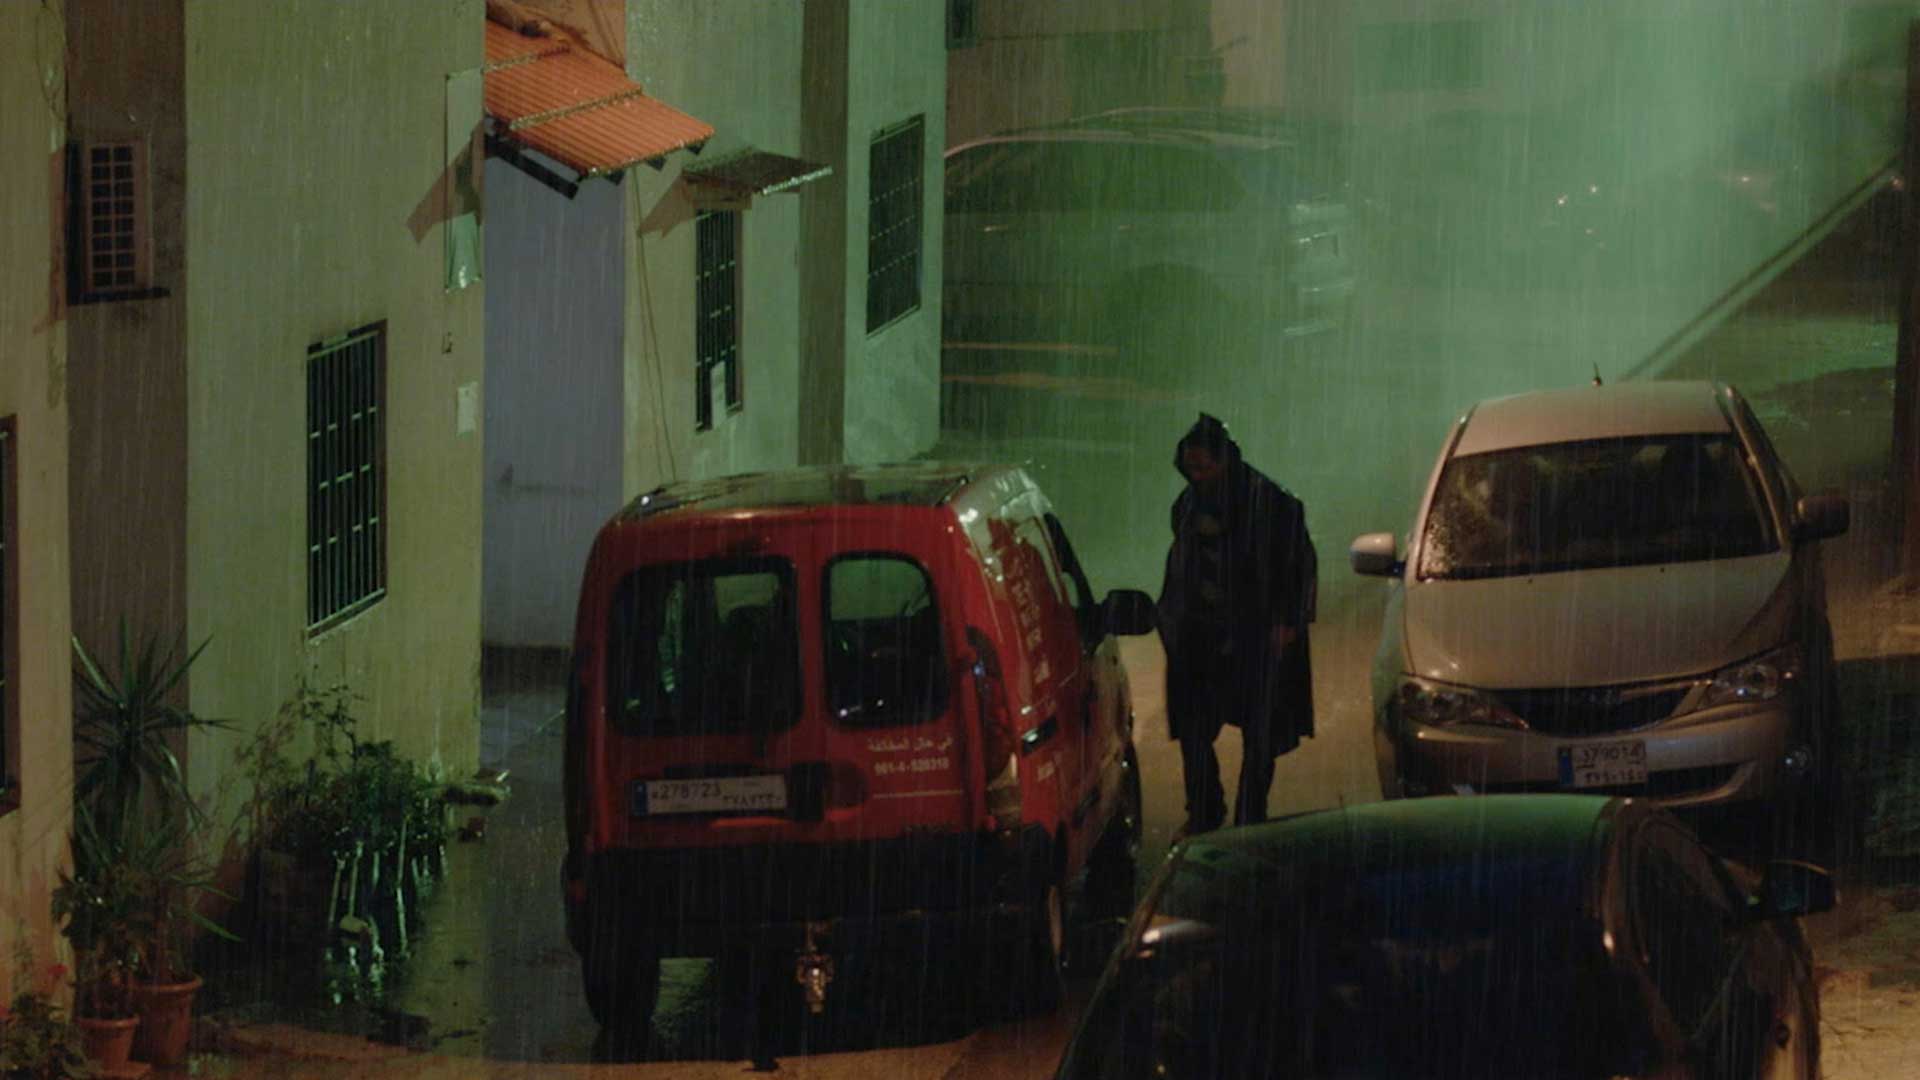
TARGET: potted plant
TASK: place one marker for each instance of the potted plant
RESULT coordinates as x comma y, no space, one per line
170,878
98,906
38,1040
135,796
348,832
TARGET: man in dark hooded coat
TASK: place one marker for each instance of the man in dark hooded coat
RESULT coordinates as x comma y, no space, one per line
1238,595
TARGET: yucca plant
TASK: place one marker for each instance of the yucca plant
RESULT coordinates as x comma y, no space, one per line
126,727
170,876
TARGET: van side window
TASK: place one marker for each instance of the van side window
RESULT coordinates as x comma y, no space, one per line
886,663
705,647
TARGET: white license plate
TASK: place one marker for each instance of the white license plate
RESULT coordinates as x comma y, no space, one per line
719,795
1603,764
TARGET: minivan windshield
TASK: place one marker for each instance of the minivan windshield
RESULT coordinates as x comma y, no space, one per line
1595,503
707,647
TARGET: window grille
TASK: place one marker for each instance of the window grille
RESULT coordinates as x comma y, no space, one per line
717,311
114,211
962,24
893,222
346,475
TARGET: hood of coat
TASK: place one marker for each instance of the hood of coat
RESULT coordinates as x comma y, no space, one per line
1208,433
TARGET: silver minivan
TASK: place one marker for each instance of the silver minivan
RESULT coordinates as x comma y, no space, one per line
1607,589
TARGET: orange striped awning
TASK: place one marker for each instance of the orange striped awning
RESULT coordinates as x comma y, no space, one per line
552,95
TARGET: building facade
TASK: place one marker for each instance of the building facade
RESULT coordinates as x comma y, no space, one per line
275,375
36,747
776,286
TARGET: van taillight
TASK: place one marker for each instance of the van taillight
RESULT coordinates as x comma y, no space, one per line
998,742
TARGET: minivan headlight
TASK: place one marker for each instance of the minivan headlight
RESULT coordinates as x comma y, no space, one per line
1761,678
1436,704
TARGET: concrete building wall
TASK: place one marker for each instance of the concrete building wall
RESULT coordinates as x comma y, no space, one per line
128,356
736,66
815,80
896,70
555,288
316,132
33,361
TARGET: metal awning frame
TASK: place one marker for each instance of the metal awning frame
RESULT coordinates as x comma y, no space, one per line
710,189
513,153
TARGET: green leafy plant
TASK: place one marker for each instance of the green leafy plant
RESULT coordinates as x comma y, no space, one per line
345,806
102,912
38,1040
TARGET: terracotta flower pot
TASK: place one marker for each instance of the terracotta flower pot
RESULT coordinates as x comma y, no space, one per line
166,1021
108,1041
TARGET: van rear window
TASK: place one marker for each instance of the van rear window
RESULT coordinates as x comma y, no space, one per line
704,648
886,665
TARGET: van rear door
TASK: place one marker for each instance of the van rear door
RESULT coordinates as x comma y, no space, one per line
789,684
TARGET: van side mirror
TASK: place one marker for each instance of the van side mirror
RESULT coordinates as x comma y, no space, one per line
1792,888
1128,611
1375,555
1820,516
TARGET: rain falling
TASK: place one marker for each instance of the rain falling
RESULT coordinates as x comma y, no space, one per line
1242,538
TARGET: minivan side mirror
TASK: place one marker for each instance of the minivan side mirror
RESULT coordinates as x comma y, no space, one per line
1820,516
1792,888
1128,611
1375,555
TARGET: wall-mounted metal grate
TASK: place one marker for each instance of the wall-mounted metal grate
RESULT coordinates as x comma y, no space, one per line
346,475
114,195
716,311
893,222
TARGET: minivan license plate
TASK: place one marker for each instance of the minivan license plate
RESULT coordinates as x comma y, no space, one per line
1603,764
717,795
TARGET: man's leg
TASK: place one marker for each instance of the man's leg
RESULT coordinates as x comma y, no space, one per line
1256,773
1200,766
1199,724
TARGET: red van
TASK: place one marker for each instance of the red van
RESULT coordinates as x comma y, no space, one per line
828,712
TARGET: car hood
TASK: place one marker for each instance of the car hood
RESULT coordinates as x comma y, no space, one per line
1596,627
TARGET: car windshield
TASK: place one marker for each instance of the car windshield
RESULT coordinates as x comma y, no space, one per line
1370,979
1596,503
704,648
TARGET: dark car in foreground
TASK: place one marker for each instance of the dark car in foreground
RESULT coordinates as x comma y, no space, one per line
1511,937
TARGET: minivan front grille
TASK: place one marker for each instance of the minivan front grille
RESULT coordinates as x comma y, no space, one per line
1575,711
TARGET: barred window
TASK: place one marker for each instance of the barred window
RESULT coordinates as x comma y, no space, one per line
115,247
716,275
9,628
346,475
893,222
